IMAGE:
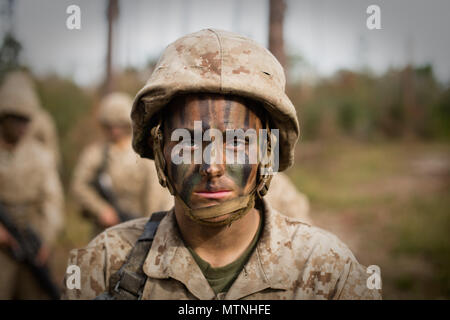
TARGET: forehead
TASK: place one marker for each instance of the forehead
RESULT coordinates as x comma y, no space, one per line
214,110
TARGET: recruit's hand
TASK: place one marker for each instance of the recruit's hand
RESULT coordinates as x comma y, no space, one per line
6,239
42,255
108,218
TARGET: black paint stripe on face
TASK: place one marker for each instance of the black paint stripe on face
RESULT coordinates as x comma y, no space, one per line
173,114
227,111
174,172
247,170
205,111
183,110
209,185
169,120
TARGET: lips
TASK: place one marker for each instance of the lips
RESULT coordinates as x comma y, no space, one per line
219,194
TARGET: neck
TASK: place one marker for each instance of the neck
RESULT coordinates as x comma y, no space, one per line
220,245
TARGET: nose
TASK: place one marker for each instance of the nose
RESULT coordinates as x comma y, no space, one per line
211,167
211,170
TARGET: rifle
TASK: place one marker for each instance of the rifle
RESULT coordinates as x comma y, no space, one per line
103,185
28,247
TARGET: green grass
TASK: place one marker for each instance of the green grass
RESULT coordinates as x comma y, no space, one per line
334,178
423,230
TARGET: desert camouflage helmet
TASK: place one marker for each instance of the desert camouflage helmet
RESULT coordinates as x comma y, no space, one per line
18,95
115,109
216,61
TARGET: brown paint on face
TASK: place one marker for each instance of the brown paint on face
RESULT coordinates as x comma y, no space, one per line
220,112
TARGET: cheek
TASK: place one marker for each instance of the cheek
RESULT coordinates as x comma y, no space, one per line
243,175
179,172
184,177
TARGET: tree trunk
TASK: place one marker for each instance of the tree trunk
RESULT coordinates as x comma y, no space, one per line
276,20
112,13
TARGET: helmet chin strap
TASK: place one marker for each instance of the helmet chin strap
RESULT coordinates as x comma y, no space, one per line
236,208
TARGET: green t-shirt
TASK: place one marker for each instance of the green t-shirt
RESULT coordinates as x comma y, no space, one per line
220,279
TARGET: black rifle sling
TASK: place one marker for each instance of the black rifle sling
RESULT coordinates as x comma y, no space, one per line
94,183
104,163
128,283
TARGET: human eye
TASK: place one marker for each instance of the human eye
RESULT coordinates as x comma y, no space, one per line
236,143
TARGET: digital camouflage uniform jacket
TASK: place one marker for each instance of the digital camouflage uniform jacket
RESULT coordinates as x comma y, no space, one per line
284,197
292,260
43,129
30,189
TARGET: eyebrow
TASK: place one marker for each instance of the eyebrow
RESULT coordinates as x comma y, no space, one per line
207,127
224,133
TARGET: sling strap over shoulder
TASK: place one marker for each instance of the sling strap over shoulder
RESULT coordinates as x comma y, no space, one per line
128,282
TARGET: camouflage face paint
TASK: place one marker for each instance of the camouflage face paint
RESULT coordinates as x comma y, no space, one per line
206,184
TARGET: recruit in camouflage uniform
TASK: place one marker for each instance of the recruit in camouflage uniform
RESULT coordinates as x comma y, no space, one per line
42,126
134,181
284,197
30,191
223,239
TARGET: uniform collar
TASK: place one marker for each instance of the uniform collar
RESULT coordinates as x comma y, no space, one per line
169,258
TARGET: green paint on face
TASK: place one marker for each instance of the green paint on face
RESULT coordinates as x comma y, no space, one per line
240,174
188,184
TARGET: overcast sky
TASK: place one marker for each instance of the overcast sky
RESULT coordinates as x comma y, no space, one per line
329,34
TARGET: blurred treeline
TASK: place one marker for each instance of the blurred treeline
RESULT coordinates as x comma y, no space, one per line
401,103
74,110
